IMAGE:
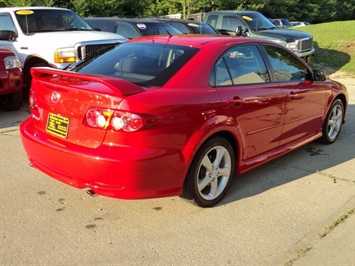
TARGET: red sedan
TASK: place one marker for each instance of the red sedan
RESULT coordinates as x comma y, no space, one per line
177,115
11,81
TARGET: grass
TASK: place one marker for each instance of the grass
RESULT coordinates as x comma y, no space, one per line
335,46
341,219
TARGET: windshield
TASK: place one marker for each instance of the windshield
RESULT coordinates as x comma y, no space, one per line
151,28
202,28
257,21
149,64
44,20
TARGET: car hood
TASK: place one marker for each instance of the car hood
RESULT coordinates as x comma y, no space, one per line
287,35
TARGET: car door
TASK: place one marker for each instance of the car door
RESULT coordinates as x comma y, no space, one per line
252,102
306,99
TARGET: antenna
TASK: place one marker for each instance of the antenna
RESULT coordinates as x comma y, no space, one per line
163,24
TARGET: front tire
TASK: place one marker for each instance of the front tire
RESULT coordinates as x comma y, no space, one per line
210,174
333,122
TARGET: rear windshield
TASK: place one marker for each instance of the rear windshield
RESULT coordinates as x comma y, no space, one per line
151,28
148,64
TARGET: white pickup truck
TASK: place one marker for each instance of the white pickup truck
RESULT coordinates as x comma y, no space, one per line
49,36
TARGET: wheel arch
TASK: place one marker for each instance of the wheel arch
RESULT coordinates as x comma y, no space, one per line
344,101
231,137
30,62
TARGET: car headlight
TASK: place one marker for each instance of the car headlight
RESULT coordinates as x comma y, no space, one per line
12,62
64,55
292,46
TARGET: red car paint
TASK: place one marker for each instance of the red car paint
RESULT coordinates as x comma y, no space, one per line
11,82
262,121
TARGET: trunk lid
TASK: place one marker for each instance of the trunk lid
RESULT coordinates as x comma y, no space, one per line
60,99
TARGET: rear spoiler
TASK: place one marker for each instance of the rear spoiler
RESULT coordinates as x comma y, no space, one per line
121,86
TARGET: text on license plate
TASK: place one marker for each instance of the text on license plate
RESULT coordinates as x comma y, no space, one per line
58,125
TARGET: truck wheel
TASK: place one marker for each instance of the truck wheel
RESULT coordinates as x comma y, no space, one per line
12,101
28,77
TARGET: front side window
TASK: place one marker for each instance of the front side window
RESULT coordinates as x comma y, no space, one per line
231,23
285,66
6,22
239,65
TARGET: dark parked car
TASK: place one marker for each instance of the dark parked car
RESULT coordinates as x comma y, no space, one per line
177,115
254,24
131,27
191,26
11,81
282,22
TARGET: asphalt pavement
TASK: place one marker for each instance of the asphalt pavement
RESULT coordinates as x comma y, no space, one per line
296,210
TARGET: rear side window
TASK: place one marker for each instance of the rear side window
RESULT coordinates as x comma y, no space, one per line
285,66
239,65
6,22
103,25
180,26
127,30
212,20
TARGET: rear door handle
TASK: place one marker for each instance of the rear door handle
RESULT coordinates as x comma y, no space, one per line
236,101
292,95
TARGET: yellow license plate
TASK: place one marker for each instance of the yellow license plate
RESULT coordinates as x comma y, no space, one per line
58,125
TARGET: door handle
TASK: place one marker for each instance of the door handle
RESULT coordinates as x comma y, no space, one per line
292,95
236,101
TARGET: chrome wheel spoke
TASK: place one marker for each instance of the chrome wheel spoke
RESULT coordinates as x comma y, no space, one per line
204,183
214,188
214,172
207,164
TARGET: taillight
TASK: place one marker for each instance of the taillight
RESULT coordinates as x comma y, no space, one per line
119,120
33,106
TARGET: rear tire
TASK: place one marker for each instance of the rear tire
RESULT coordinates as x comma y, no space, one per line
333,122
210,174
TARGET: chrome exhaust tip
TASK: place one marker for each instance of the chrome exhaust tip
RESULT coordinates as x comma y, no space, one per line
91,192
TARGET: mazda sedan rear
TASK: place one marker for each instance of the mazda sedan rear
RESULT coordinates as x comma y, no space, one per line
177,116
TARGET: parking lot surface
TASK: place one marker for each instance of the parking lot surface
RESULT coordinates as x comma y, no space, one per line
295,210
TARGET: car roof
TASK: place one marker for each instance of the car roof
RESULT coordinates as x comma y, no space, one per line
233,12
199,41
185,21
32,8
135,20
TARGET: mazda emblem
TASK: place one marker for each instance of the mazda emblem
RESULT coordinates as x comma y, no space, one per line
55,97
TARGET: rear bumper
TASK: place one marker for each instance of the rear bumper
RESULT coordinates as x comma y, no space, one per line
115,171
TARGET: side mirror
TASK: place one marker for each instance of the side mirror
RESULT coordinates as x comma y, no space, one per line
319,75
238,31
7,35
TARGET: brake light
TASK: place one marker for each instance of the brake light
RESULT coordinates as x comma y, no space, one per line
119,120
33,106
